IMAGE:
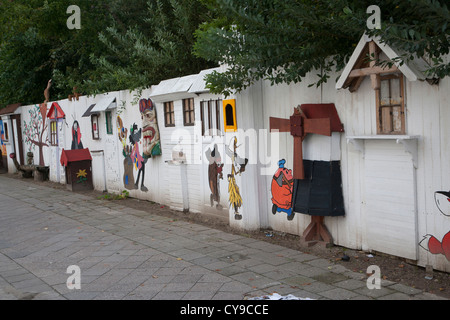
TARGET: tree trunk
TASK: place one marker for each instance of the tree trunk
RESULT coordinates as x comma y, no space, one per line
41,156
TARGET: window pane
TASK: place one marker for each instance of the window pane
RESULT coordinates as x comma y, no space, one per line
385,93
395,92
397,119
229,115
188,111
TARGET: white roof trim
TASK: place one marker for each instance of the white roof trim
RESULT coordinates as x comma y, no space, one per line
106,103
175,85
413,70
199,85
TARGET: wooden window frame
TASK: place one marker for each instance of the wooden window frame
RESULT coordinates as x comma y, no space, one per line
54,133
169,114
386,119
188,112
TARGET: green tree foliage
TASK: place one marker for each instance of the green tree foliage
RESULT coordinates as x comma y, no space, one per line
154,47
35,43
281,41
122,44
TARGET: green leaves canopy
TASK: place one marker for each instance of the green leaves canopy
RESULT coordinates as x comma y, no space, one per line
122,44
281,41
133,44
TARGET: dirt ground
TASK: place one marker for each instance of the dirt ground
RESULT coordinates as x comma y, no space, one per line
392,268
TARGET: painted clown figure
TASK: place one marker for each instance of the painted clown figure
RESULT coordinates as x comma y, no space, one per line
282,187
150,130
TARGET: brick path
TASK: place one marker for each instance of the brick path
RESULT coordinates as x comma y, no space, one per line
124,253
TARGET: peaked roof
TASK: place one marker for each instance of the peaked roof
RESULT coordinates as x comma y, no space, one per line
174,86
106,103
89,111
10,109
412,70
55,112
68,156
199,85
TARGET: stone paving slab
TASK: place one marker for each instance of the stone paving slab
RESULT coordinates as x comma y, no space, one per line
127,254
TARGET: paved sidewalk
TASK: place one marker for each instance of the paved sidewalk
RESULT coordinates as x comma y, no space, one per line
128,254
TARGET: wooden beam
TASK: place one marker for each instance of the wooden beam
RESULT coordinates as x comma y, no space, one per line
371,71
374,77
355,84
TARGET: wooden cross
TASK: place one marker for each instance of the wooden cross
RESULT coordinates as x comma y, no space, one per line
299,126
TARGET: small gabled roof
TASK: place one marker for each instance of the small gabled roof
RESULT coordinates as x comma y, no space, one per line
9,109
55,112
89,111
106,103
68,156
174,86
413,70
199,85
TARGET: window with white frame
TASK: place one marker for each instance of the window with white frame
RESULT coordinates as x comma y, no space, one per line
210,117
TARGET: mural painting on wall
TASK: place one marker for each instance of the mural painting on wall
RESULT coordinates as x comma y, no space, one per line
282,187
148,135
237,167
35,130
76,136
2,139
430,242
133,158
215,174
138,160
150,130
128,175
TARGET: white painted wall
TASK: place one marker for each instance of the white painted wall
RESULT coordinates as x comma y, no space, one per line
371,211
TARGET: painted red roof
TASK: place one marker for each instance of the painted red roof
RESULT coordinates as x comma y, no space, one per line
324,110
68,156
55,112
10,108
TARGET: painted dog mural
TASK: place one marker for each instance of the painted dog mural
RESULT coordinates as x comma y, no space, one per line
215,174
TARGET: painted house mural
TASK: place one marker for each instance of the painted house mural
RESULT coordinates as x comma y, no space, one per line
354,162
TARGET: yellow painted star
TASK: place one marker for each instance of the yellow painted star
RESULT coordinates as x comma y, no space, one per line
81,173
